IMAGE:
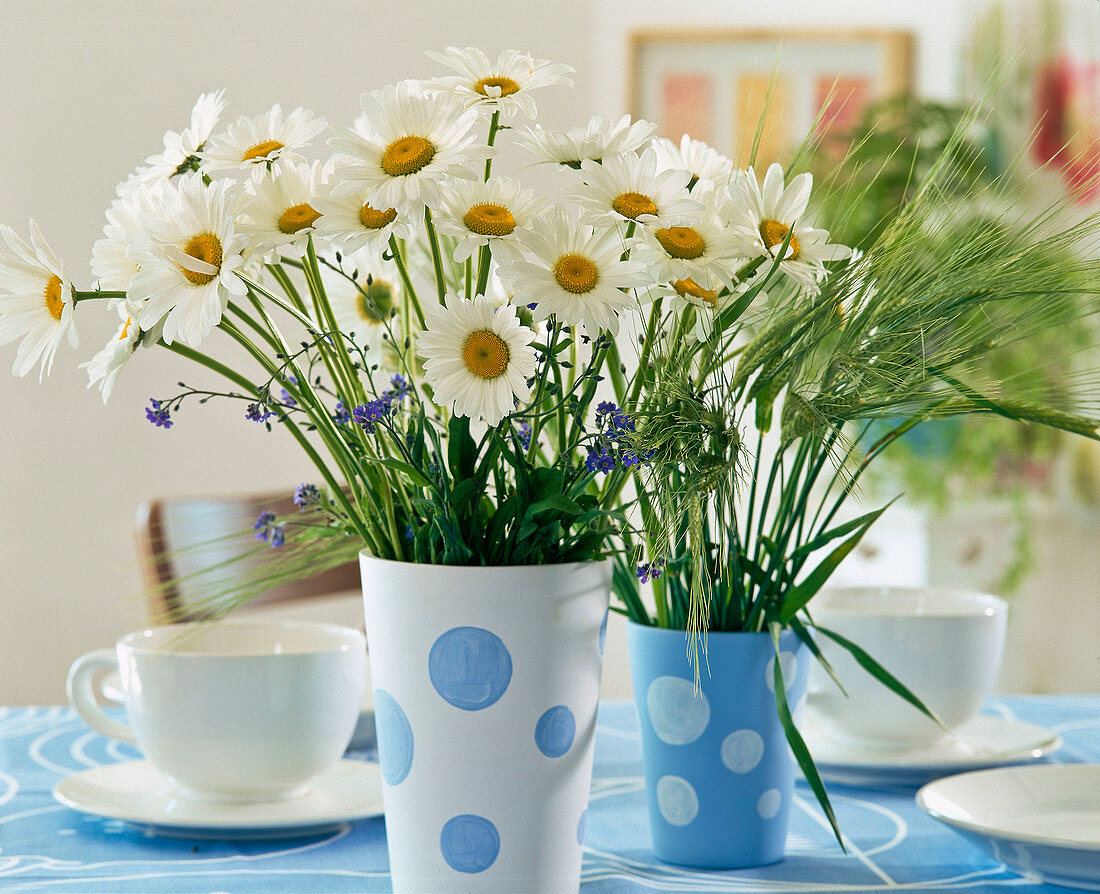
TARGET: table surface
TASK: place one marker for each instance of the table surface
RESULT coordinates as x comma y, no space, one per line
892,843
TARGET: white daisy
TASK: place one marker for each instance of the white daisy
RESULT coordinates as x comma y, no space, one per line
697,158
279,209
477,357
404,145
363,305
114,256
267,139
601,138
36,301
478,213
354,223
574,272
189,267
504,85
181,150
704,252
765,217
104,367
629,188
708,303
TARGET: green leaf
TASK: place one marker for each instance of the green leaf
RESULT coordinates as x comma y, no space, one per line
802,593
797,743
839,531
881,674
461,450
555,501
397,465
803,634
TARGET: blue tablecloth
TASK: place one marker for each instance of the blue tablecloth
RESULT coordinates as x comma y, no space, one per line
893,845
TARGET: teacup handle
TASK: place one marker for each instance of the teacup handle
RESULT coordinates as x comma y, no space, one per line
82,694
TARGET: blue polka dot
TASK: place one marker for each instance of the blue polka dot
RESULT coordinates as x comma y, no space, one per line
469,843
603,630
395,738
580,827
555,731
469,667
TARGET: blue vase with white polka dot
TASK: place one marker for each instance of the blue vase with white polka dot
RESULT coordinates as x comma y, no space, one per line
719,773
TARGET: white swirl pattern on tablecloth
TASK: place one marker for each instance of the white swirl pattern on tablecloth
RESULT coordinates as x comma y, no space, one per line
891,844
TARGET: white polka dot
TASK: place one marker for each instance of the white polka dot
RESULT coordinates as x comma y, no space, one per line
742,750
677,800
789,664
678,714
768,805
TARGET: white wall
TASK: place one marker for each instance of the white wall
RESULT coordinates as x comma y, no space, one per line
89,88
88,91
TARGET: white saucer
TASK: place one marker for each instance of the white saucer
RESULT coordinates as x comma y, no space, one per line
135,792
1041,820
983,741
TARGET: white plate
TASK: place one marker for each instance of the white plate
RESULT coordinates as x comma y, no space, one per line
1042,820
983,741
136,792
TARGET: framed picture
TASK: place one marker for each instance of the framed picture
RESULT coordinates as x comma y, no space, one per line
716,85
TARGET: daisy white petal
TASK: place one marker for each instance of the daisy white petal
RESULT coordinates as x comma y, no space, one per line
364,300
504,85
704,252
268,139
353,223
477,213
601,138
477,357
628,187
767,217
189,266
36,301
104,367
279,208
573,272
700,160
404,146
181,149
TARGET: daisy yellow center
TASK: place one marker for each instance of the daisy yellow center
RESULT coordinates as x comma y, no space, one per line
261,150
684,243
373,219
485,354
773,233
407,155
206,247
375,302
689,287
576,274
298,218
52,296
489,219
507,86
634,204
126,329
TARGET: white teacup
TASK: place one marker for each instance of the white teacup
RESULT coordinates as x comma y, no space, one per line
232,710
945,645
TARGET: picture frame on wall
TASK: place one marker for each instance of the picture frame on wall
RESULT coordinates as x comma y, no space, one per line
715,84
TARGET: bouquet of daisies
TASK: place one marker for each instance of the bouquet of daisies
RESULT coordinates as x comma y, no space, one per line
483,375
458,356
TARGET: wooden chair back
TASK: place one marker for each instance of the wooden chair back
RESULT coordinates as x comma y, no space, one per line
181,536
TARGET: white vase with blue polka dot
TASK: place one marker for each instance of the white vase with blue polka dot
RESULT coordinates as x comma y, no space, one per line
719,773
486,682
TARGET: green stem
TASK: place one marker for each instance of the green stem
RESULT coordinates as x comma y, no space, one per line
494,126
90,296
335,489
406,281
647,346
437,256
